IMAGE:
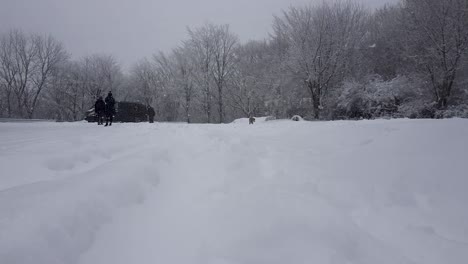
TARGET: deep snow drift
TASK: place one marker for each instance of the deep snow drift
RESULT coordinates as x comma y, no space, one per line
275,192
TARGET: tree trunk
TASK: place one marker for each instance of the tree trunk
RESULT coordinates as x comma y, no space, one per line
20,107
9,104
220,104
208,112
31,109
315,95
444,91
207,103
187,109
30,113
316,105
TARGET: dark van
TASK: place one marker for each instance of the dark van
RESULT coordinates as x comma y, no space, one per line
124,112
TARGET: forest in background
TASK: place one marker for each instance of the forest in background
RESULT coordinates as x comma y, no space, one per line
329,61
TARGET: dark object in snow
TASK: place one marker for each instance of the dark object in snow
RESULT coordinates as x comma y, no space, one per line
131,112
124,112
251,120
296,118
110,109
100,108
151,114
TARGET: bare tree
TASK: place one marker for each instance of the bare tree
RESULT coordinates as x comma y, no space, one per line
224,43
384,51
49,55
319,39
8,71
145,79
74,90
251,81
438,34
101,73
27,62
66,91
18,55
183,72
169,102
200,42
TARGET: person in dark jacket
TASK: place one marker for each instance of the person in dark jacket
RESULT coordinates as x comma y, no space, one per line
251,120
110,109
99,109
151,114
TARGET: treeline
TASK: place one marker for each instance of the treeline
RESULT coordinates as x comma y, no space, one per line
328,61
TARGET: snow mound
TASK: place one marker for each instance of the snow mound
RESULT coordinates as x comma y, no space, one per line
50,213
297,118
382,191
55,221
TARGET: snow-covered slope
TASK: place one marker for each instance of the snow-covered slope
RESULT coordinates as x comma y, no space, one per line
275,192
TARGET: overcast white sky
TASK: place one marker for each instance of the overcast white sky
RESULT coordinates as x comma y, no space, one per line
133,29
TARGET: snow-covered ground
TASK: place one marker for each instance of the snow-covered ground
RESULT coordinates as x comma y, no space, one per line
276,192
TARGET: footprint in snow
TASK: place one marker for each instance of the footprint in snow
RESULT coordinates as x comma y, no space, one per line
60,164
366,142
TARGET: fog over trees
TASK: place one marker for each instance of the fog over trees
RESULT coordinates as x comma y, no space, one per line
335,60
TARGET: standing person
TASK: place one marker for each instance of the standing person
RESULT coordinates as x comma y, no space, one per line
251,120
99,109
151,114
110,109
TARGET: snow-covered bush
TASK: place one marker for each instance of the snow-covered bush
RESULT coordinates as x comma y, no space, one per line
417,109
297,118
378,98
453,111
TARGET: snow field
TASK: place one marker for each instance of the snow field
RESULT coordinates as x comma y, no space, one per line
275,192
